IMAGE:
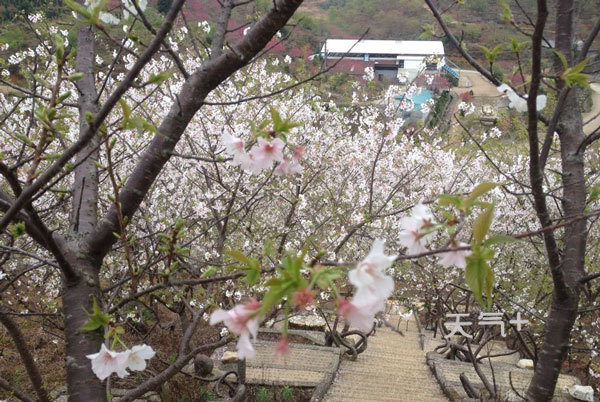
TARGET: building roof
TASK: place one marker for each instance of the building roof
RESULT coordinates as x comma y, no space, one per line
391,47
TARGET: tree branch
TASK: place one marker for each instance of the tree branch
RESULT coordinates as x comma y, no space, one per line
190,99
89,134
26,357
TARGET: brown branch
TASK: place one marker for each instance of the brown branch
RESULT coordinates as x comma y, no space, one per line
26,357
19,394
190,99
486,73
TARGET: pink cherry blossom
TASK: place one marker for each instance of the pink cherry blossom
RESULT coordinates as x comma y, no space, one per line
233,145
369,274
265,153
360,312
299,152
414,233
107,361
289,167
243,321
282,348
138,355
457,258
303,298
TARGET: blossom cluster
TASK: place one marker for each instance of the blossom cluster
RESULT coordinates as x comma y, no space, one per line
372,288
263,155
417,230
107,362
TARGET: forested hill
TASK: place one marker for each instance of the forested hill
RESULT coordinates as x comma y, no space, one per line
478,22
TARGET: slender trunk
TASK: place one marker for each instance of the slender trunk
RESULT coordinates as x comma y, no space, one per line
83,385
565,301
84,213
221,30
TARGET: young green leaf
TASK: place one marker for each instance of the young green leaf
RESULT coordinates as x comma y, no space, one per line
482,224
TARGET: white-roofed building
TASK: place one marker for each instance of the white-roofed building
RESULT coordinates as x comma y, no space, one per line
388,57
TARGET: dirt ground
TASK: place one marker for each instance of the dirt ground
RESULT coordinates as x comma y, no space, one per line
478,84
472,80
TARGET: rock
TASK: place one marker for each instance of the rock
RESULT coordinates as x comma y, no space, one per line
59,394
189,369
229,357
525,364
203,365
582,393
308,322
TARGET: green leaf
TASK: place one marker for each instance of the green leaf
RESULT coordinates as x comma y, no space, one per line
75,76
238,256
562,59
126,110
276,117
91,325
499,239
210,271
64,96
506,14
252,276
517,46
480,190
96,320
160,77
448,199
492,54
79,9
24,139
475,276
482,224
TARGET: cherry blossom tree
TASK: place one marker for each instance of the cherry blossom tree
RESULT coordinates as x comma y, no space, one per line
565,250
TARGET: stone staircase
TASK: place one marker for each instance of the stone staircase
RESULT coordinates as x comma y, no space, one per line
393,368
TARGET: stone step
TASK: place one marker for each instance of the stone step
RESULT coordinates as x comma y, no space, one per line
393,368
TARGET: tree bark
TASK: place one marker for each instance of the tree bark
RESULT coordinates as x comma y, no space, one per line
82,383
566,293
84,214
79,294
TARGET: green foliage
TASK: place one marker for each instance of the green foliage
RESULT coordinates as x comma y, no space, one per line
13,9
439,107
491,54
287,395
479,275
250,265
13,37
573,75
506,15
97,319
264,395
163,6
205,395
17,229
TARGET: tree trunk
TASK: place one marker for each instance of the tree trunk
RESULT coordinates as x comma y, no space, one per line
83,385
566,295
78,297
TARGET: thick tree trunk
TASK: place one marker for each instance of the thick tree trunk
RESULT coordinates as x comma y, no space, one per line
83,385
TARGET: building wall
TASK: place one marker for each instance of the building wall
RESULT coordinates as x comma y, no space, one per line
412,64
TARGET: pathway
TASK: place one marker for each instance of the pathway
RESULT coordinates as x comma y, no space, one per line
393,368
